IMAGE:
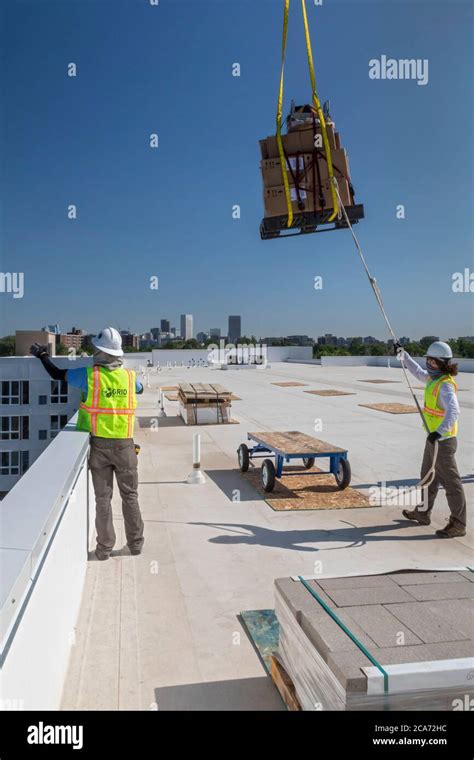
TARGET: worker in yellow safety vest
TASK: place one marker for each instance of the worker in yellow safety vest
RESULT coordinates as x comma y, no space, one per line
441,412
107,413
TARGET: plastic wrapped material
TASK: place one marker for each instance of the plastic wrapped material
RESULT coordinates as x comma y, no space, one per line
443,683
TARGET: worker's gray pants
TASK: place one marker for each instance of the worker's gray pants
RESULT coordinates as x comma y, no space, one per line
109,455
447,475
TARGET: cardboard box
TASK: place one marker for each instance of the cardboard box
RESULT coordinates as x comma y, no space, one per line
299,140
340,163
300,166
275,199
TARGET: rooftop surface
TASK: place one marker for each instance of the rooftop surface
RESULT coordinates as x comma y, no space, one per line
161,631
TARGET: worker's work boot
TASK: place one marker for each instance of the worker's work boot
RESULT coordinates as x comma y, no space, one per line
452,529
101,555
423,518
136,549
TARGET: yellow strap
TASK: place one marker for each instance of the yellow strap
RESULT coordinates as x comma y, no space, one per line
319,110
279,115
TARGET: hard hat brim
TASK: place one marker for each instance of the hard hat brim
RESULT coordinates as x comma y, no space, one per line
112,351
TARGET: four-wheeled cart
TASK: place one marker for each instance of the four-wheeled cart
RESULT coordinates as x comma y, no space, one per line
288,446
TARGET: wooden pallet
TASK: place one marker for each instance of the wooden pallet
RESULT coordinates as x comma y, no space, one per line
284,684
203,393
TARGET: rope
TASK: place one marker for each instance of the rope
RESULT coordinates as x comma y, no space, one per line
429,476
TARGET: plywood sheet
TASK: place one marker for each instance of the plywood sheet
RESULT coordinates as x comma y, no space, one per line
330,392
294,442
380,381
289,385
168,388
307,492
394,408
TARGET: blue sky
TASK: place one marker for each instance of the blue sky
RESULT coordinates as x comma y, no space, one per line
167,212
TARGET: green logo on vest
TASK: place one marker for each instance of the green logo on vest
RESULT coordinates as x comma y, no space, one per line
110,392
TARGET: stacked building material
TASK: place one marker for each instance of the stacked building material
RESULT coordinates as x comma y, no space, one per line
397,641
306,167
202,403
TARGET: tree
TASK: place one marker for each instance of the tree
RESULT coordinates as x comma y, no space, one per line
62,350
7,345
427,340
378,349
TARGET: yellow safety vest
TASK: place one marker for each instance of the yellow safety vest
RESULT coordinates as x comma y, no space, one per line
109,408
433,412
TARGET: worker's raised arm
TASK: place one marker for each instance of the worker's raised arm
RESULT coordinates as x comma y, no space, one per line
413,366
41,353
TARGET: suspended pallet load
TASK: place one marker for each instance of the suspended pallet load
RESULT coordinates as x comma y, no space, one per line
305,172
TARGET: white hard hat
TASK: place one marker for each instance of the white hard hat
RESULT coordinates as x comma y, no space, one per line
439,350
109,341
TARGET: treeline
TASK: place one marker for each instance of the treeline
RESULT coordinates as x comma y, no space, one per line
460,347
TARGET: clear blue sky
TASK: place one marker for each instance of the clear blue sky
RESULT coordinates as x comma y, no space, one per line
167,212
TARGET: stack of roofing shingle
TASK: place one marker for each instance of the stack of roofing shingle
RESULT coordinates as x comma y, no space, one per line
400,641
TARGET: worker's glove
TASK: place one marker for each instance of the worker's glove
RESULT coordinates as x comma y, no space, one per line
38,350
434,437
398,351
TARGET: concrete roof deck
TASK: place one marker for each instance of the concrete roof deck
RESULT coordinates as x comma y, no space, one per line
160,631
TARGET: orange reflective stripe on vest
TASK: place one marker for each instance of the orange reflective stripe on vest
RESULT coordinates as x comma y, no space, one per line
432,411
109,409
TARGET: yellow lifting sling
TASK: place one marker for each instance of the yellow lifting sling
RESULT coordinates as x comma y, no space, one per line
317,108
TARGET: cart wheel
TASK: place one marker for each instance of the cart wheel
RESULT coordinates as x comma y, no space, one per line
308,462
343,474
268,475
244,457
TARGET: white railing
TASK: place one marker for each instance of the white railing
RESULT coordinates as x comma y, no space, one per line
46,527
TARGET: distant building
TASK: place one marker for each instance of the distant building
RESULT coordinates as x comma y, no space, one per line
173,331
235,329
274,341
166,337
327,340
300,340
33,409
370,340
165,325
73,339
202,337
215,332
52,329
25,338
186,326
155,331
130,340
341,342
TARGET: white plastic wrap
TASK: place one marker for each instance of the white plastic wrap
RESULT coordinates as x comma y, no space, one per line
317,688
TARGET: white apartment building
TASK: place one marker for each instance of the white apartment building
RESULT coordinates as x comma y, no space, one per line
33,409
187,330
